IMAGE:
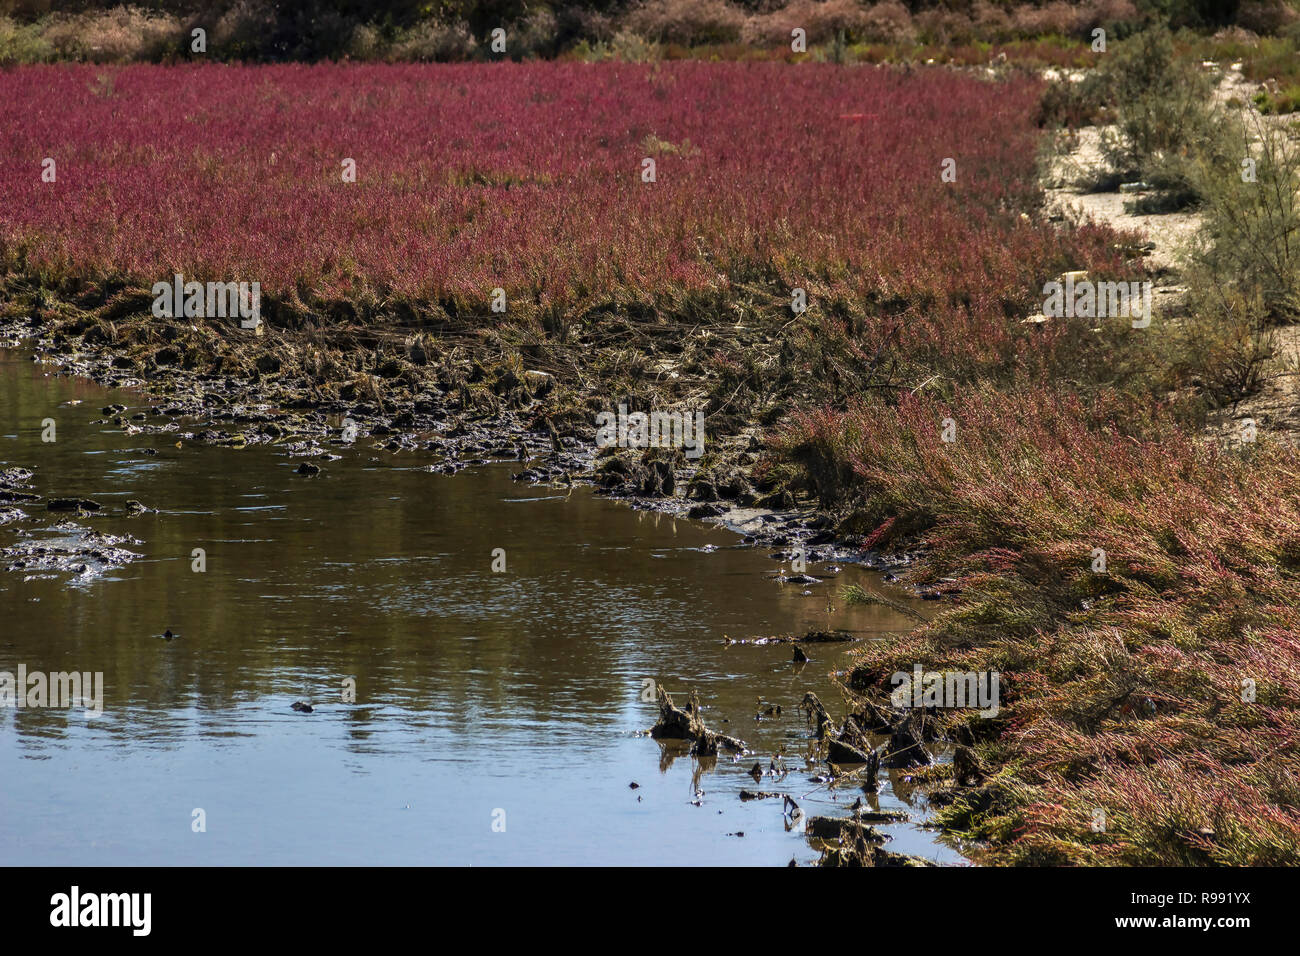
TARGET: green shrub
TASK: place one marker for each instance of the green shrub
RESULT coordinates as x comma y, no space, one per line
1250,257
23,43
1165,122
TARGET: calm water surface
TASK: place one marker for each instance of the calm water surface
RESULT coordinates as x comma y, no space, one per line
476,692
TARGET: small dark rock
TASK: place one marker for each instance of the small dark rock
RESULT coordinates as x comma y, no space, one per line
842,752
73,504
777,501
703,489
828,828
704,511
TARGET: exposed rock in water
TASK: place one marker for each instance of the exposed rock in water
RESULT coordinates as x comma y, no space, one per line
905,747
12,480
864,814
686,724
73,549
824,637
815,711
14,477
812,637
856,848
830,828
73,504
9,496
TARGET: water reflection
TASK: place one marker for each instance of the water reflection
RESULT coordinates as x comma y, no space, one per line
475,691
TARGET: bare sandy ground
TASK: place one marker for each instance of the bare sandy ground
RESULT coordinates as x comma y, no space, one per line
1169,232
1275,408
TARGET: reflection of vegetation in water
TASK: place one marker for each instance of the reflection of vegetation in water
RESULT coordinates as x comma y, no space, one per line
855,594
379,570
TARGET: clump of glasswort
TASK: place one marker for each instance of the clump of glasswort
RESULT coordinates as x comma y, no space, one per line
1156,689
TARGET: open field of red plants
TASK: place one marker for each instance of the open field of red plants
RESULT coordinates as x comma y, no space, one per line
527,177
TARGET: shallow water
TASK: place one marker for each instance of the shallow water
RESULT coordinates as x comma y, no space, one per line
476,692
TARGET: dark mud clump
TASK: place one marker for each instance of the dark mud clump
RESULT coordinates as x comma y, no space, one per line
905,743
849,745
13,485
812,637
686,724
853,841
858,845
830,828
72,504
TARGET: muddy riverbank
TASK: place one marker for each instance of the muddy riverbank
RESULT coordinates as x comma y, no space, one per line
461,398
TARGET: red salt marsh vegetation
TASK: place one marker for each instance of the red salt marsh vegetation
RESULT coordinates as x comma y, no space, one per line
1132,577
1123,689
1158,687
528,177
